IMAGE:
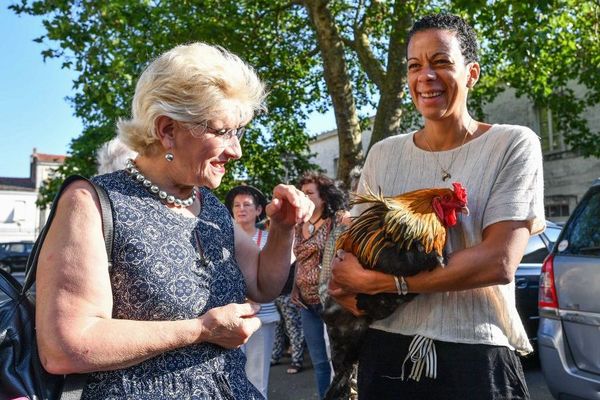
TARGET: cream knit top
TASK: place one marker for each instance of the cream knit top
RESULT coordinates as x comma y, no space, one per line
502,173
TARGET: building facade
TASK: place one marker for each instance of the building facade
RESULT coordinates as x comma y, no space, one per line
567,175
20,218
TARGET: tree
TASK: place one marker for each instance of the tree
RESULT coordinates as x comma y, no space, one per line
109,43
541,49
317,54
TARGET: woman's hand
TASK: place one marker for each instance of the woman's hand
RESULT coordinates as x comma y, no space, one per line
346,281
230,326
348,274
295,297
344,298
289,206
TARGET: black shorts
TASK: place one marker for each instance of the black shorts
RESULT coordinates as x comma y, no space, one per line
464,371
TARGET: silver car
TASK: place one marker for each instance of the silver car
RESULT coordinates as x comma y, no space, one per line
569,305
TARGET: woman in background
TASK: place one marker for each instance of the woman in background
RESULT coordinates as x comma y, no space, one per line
309,243
247,206
113,155
289,327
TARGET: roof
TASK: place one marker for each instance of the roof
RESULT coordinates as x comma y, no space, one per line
324,135
53,158
16,184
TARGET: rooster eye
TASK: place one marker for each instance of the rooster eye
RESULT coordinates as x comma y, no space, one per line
447,198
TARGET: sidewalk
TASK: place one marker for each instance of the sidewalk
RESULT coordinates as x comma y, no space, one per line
300,386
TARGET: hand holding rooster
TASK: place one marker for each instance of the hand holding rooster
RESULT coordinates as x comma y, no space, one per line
394,237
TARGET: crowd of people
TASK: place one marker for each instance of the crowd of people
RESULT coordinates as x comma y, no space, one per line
200,299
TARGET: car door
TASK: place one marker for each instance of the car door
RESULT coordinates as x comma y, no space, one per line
577,279
527,277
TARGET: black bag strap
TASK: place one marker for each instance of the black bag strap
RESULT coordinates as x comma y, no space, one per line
73,386
107,228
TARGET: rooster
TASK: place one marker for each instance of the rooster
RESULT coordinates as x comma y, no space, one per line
400,235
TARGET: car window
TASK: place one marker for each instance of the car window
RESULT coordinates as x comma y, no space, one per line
583,234
536,250
552,233
17,247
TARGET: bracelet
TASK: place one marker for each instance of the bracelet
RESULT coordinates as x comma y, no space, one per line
401,285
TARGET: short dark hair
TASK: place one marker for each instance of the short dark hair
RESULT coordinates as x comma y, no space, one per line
333,197
464,32
259,198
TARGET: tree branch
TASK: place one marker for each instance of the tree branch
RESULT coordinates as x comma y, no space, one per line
367,59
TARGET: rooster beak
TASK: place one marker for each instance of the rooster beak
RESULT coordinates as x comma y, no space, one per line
464,210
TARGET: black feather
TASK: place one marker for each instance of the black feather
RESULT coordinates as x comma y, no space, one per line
346,331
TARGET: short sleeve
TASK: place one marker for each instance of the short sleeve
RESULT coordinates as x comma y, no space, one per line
367,179
518,191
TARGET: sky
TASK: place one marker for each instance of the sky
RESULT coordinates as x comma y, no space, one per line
34,111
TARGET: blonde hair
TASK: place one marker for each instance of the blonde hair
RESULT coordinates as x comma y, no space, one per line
190,83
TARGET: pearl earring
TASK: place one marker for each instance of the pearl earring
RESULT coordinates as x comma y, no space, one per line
169,156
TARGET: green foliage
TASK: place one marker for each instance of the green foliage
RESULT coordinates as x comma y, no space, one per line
109,43
543,50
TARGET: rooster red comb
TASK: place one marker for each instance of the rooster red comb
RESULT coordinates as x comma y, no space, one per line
460,191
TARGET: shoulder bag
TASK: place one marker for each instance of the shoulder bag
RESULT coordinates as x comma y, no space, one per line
21,372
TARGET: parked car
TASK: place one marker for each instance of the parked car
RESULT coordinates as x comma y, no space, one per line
569,303
20,277
527,277
13,255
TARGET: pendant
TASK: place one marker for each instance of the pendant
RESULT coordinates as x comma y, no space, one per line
201,258
311,228
446,175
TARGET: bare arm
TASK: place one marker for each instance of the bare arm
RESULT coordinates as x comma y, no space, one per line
266,271
75,328
491,262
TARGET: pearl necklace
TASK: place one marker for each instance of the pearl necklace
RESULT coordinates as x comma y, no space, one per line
154,190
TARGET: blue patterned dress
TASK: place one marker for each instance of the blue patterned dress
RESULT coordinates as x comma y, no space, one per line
170,267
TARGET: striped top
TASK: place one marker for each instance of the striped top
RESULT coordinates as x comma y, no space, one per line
268,311
502,173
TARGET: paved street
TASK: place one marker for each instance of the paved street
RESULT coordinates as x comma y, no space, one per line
302,386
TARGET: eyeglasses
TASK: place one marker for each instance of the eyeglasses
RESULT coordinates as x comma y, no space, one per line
197,130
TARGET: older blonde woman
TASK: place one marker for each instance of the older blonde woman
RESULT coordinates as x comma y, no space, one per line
167,320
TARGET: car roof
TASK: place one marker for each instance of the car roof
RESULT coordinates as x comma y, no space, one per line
552,224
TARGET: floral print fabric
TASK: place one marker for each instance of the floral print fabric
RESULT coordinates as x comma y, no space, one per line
309,253
170,267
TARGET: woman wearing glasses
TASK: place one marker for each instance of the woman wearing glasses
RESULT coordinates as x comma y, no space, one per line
167,321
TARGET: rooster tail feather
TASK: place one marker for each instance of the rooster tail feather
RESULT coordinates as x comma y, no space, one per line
367,197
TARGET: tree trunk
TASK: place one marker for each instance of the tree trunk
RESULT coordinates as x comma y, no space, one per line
390,107
339,86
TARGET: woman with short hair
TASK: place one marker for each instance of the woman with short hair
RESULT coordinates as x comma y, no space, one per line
458,338
247,206
168,319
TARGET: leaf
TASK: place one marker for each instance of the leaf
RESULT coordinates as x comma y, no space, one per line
537,48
